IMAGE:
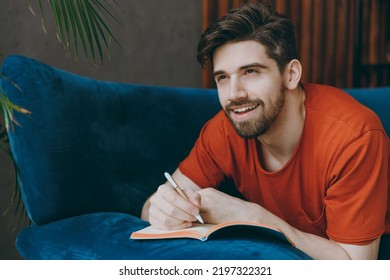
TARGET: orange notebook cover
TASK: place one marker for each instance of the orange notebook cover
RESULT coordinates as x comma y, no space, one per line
206,231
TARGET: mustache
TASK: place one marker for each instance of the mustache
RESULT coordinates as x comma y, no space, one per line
247,102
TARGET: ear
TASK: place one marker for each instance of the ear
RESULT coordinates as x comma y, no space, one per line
292,74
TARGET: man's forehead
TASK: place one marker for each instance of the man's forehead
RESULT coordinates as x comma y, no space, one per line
238,54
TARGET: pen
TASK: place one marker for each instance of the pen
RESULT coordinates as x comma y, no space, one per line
180,192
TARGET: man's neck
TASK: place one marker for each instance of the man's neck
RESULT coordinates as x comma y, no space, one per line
279,143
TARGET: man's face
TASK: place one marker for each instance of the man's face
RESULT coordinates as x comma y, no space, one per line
250,87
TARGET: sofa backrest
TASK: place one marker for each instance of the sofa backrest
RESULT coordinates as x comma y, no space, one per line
93,146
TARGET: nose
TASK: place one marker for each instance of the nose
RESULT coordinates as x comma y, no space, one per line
237,90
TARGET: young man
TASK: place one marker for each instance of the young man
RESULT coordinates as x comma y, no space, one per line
309,159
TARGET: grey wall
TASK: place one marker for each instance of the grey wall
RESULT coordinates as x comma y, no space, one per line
157,46
158,42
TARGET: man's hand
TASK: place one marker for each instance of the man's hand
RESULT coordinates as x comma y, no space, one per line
218,207
168,210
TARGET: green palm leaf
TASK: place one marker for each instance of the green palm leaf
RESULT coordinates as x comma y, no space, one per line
7,109
83,21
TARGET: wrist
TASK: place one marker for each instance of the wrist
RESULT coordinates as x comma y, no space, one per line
254,212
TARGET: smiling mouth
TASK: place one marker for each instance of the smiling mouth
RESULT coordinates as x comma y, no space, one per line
243,110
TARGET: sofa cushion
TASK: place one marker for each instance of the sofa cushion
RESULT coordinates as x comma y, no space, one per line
106,236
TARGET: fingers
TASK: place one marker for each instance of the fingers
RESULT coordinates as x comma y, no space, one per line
168,210
194,198
162,221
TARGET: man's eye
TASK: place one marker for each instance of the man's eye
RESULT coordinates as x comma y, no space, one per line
250,71
221,77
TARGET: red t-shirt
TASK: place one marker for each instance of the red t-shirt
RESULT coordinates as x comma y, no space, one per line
334,185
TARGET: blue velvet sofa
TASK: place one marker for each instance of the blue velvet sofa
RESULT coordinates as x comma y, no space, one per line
92,152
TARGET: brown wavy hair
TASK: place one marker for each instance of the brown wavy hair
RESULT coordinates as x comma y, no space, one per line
258,22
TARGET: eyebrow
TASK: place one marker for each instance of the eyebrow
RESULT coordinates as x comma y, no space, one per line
247,66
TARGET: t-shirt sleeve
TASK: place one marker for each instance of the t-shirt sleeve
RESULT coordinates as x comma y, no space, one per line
205,163
356,201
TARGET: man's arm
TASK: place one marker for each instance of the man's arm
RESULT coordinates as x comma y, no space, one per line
167,210
319,247
322,248
218,207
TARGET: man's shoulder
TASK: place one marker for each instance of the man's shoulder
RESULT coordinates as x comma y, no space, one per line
326,97
338,107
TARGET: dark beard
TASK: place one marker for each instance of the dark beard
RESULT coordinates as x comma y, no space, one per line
254,128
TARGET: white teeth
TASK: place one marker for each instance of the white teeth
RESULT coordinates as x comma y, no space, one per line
244,109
